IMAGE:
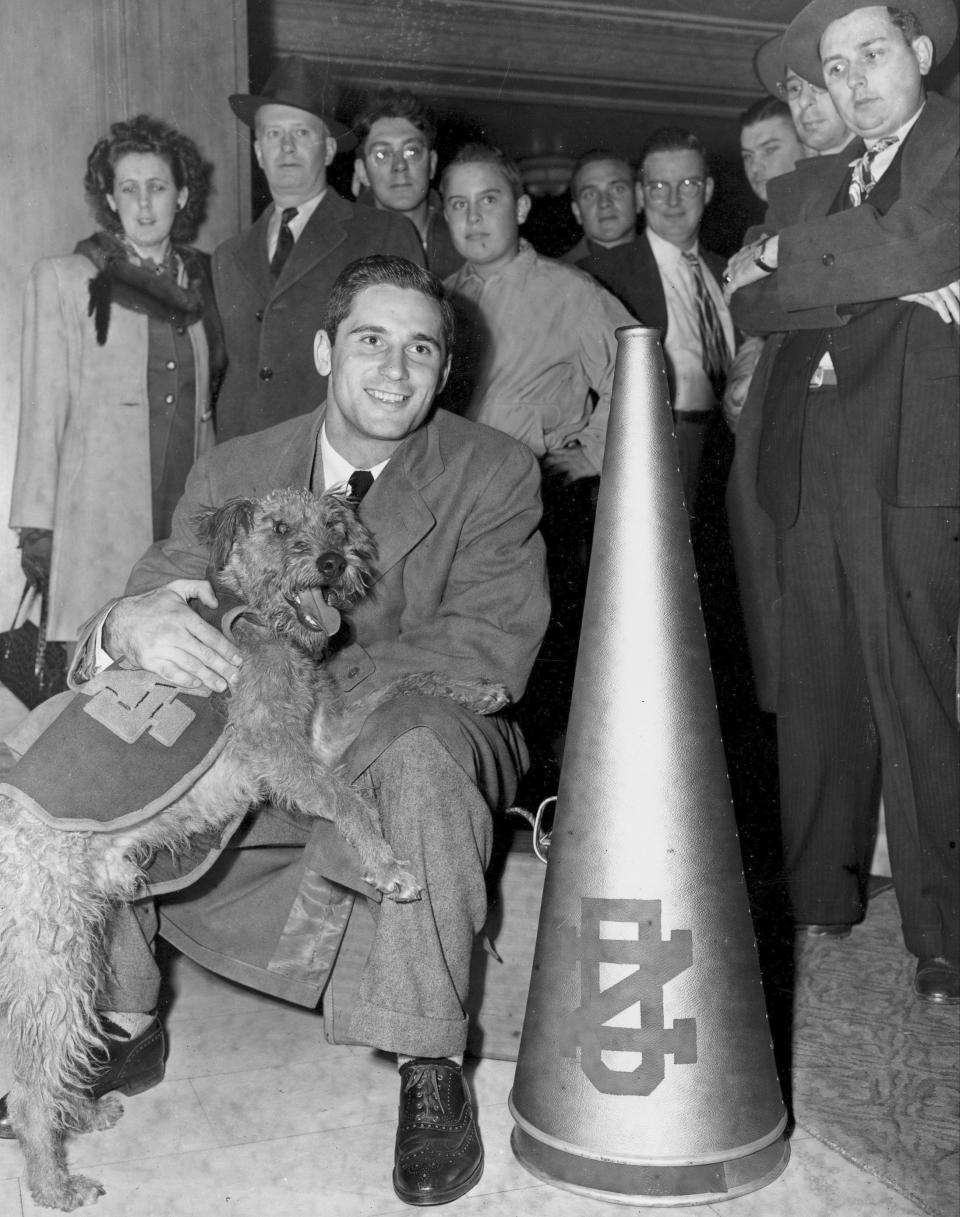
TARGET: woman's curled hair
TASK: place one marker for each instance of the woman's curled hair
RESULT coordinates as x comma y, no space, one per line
144,134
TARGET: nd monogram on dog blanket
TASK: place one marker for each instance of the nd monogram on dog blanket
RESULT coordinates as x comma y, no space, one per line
120,748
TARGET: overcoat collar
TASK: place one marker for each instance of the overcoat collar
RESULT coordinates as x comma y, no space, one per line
324,231
925,157
394,508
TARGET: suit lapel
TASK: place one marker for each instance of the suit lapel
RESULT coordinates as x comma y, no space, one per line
394,509
292,464
929,148
325,230
252,256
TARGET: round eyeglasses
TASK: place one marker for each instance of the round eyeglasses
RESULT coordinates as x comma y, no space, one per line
410,154
792,89
687,188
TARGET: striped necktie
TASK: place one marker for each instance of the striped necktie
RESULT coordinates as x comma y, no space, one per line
713,343
284,241
862,180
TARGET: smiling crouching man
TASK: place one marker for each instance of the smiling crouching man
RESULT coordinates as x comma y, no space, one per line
454,509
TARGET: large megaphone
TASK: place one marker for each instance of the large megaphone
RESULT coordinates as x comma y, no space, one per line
646,1071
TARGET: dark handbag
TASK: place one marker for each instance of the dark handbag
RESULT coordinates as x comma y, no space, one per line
32,668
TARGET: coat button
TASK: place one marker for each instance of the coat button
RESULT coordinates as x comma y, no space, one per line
169,399
259,314
171,364
266,373
828,259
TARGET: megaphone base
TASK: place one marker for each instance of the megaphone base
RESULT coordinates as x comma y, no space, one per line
653,1185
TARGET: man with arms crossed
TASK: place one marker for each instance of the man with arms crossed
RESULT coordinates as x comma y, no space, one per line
859,470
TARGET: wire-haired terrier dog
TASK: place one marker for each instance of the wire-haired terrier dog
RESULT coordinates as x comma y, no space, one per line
294,561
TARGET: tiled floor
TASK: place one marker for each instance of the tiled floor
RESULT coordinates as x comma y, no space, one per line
260,1117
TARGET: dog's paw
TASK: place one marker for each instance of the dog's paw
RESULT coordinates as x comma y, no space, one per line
69,1193
481,696
395,882
99,1114
490,699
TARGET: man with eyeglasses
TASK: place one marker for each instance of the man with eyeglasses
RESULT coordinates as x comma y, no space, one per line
668,282
395,164
819,126
272,279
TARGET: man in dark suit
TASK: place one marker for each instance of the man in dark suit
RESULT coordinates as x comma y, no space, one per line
460,588
603,201
860,472
656,276
272,279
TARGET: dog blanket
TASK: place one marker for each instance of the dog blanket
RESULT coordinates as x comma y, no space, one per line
123,746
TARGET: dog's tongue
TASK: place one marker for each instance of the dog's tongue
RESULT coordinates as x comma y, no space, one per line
314,612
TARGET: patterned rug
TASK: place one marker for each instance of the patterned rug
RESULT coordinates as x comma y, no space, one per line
876,1073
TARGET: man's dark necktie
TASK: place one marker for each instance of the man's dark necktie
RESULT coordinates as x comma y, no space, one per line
713,344
359,482
863,181
284,242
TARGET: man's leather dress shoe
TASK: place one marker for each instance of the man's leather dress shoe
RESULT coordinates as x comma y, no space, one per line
438,1155
840,930
938,981
131,1067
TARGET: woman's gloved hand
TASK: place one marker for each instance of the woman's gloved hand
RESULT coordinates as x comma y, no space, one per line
35,547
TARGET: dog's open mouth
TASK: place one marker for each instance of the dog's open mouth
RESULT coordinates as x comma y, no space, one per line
313,612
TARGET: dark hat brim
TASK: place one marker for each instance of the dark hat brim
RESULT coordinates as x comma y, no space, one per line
246,105
801,42
770,65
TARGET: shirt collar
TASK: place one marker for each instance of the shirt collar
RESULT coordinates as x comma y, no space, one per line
901,132
337,469
299,222
516,268
666,252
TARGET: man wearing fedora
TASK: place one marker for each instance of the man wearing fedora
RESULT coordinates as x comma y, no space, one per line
272,281
860,472
816,120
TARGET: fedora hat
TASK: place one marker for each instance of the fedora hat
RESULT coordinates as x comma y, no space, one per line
770,65
801,42
293,82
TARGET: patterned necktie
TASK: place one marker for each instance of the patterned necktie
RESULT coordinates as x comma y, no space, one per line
863,181
284,242
713,344
359,482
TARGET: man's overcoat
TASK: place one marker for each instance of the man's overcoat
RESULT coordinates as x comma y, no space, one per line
270,325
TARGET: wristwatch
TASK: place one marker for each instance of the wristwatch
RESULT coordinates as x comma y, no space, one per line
758,258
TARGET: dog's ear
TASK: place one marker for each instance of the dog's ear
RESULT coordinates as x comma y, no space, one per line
218,527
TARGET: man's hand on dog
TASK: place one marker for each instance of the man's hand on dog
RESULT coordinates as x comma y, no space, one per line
159,632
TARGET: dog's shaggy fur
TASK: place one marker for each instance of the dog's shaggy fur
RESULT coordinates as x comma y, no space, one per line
295,560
